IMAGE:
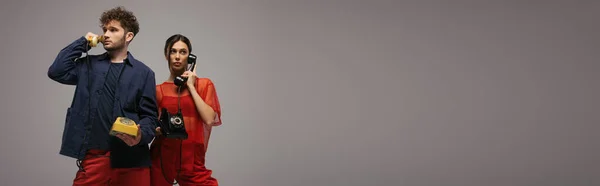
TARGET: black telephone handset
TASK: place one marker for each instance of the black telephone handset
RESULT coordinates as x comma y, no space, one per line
179,80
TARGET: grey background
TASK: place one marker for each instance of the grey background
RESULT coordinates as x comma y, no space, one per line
344,93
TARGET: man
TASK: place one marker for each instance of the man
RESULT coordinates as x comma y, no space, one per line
110,85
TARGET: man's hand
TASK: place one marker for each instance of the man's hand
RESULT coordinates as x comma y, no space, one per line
158,132
130,140
90,35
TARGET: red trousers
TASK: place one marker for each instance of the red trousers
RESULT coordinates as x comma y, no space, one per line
96,165
191,168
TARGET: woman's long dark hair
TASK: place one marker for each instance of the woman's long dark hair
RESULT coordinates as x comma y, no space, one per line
174,39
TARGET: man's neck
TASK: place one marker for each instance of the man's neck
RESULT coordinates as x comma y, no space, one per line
118,56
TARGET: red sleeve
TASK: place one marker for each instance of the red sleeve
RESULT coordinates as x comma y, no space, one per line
210,97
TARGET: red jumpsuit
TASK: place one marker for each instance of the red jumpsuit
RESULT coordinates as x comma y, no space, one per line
193,171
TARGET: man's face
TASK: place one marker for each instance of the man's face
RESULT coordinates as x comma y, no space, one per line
115,37
178,55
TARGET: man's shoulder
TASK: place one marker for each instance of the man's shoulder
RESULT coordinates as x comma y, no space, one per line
143,69
142,66
138,64
95,57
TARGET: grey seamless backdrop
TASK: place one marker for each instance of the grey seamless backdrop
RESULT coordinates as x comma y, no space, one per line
323,92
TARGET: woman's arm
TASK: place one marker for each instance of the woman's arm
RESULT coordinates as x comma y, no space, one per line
206,112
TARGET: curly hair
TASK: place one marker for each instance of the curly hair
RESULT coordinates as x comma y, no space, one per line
125,17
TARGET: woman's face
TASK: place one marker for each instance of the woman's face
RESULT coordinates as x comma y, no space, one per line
177,57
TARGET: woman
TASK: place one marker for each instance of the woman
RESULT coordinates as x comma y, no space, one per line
176,159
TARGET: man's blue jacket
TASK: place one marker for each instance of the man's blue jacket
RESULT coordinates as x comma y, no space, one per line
135,98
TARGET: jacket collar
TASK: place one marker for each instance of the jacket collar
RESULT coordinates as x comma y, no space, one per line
129,60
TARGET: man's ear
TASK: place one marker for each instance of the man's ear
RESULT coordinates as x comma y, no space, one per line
129,36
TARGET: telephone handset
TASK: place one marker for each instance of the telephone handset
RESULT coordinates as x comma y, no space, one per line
179,80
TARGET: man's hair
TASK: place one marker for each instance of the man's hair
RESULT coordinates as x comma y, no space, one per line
125,17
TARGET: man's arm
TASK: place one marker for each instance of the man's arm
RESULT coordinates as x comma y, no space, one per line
148,109
64,69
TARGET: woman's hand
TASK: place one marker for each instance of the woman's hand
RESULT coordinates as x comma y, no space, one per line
191,75
191,78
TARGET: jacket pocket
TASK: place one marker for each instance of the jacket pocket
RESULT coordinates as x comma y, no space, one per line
131,98
73,133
